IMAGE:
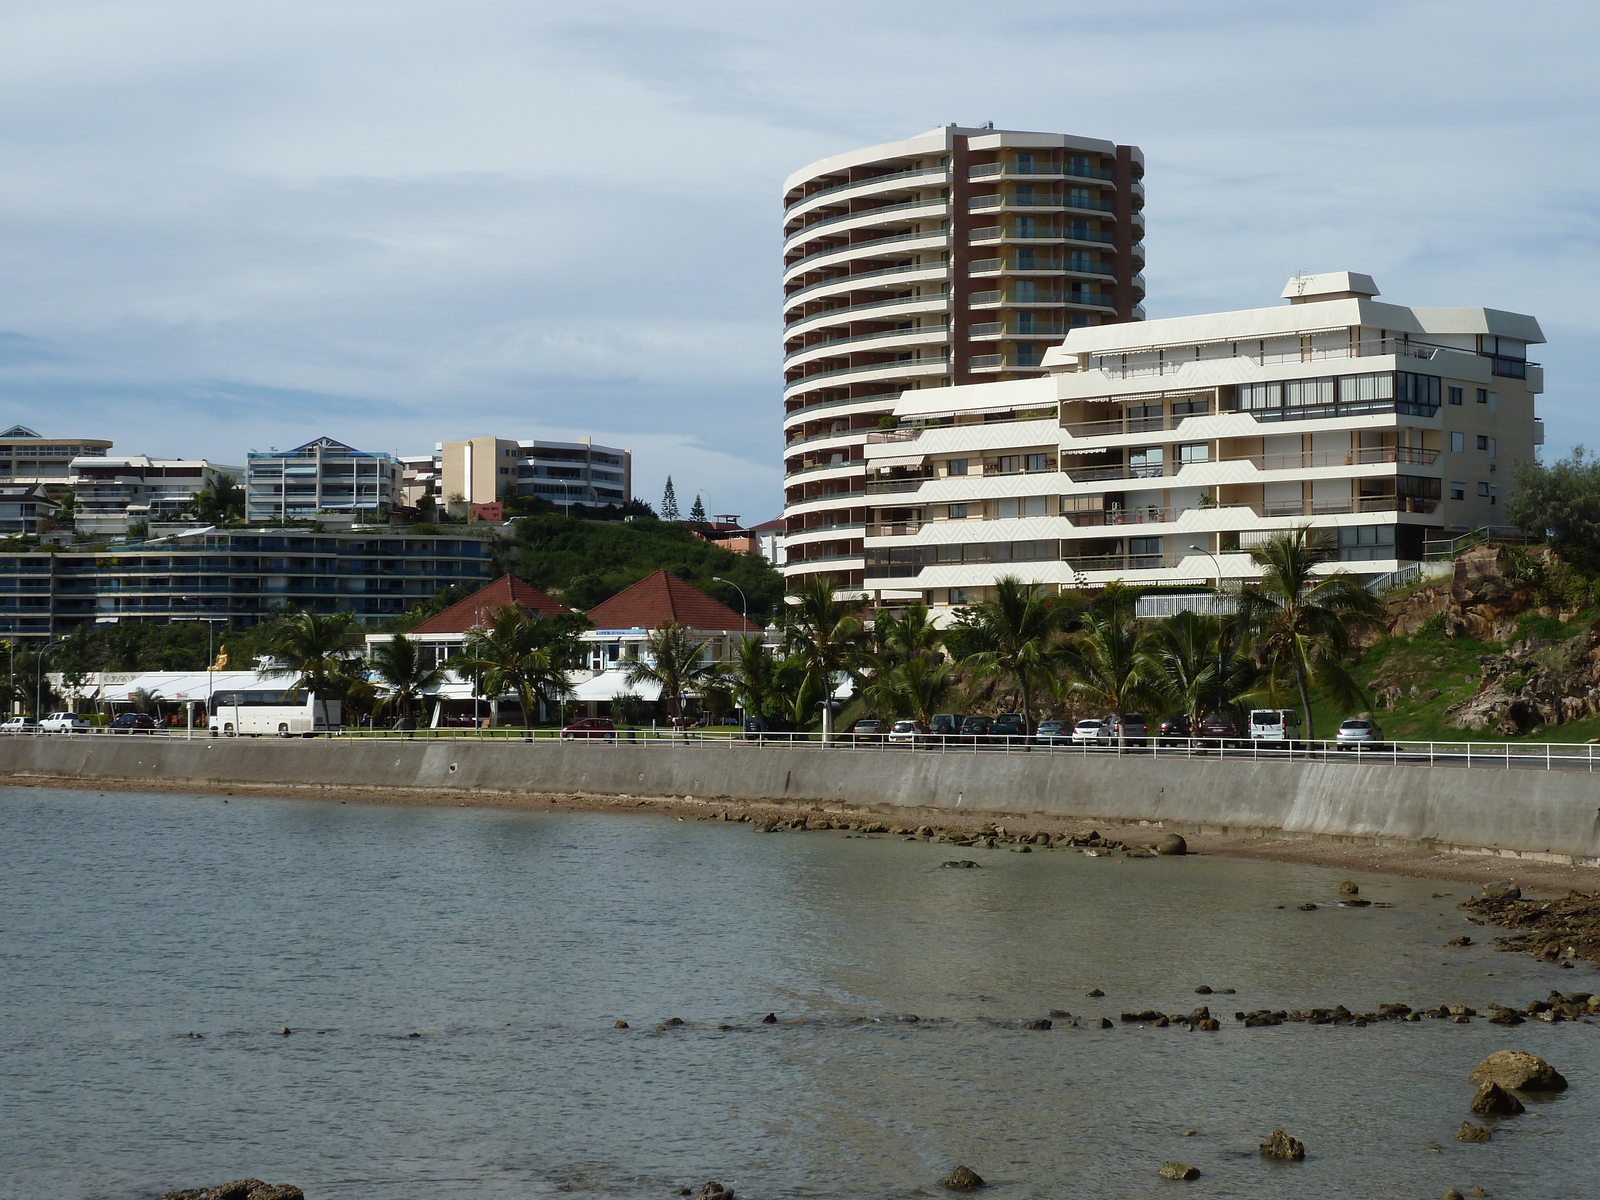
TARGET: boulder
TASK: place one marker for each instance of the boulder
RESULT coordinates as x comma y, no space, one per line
712,1190
1502,889
276,1191
1520,1070
963,1179
1095,992
770,1019
1471,1133
1348,888
1280,1145
1101,1023
1173,844
1210,1025
1178,1170
238,1189
1202,990
1042,1023
1459,941
1493,1100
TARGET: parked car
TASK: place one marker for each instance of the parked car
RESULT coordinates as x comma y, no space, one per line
19,725
1087,731
64,722
1009,728
1218,730
135,722
974,731
1050,732
868,730
592,727
1273,724
1358,731
1175,730
908,733
945,726
1125,729
755,728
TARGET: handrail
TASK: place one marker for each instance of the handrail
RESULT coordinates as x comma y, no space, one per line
804,232
940,298
851,279
861,183
867,337
902,365
790,267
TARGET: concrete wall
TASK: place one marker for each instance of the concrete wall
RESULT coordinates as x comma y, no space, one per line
1545,814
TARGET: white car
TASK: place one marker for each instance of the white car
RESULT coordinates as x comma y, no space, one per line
19,725
908,732
1087,730
1273,724
64,722
1358,731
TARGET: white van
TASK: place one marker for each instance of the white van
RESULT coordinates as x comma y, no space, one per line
1273,724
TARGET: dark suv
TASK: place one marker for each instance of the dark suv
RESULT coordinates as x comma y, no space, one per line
135,722
1010,729
944,726
974,731
1176,730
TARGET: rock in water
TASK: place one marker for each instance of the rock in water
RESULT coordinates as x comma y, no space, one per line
1096,992
1281,1145
770,1019
1471,1133
963,1179
1172,844
277,1191
1042,1023
1493,1100
1502,889
712,1190
238,1189
1348,888
1518,1069
1178,1170
1452,1194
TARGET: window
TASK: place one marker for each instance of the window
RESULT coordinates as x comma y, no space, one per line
1483,442
1195,452
1256,396
1038,462
1307,393
1417,395
1033,506
1494,400
1145,547
1456,395
1483,395
958,466
1145,462
1458,443
1494,447
1494,495
1366,543
1190,408
1007,507
1360,389
1483,490
1009,464
958,512
1458,489
958,595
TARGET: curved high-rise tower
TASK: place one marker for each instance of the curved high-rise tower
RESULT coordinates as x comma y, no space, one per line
957,256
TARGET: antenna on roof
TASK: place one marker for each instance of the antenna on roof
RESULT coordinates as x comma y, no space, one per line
988,124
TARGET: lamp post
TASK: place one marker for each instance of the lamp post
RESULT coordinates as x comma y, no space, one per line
211,662
1217,591
744,613
38,679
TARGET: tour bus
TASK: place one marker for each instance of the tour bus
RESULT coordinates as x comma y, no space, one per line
282,713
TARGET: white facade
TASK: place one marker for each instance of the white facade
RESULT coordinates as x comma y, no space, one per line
481,470
113,492
1149,448
26,456
952,257
321,477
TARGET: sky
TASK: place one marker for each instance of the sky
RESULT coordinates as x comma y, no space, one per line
240,226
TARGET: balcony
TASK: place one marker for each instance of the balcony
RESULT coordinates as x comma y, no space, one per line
895,529
1005,362
892,487
1051,263
849,282
889,436
908,366
854,247
867,215
1006,170
937,298
941,331
1010,329
1040,298
862,184
1361,504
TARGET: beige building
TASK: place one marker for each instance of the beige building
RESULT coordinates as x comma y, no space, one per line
27,457
481,470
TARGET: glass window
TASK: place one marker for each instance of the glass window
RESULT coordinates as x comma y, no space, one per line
1038,462
1307,393
1494,494
1195,452
958,595
958,466
1007,506
1483,490
1494,447
1144,546
1458,489
1033,506
1417,391
1253,396
1010,464
1456,394
1483,395
1483,442
1356,388
958,512
1458,442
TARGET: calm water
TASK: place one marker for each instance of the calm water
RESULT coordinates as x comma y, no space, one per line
512,942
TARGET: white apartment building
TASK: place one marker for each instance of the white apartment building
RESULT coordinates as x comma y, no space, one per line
28,457
957,256
1160,452
113,492
480,470
322,477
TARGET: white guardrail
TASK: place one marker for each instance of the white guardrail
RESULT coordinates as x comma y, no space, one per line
1544,756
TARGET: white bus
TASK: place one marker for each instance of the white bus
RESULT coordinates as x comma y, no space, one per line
281,713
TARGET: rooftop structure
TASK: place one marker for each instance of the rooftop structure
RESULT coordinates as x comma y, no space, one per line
27,456
321,477
956,256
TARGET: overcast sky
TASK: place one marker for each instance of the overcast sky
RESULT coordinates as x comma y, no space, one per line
227,226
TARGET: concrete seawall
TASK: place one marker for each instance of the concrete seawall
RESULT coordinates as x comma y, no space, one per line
1551,815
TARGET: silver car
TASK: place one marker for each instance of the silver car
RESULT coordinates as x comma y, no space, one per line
1358,731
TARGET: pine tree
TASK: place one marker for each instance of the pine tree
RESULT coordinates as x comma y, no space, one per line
669,502
698,512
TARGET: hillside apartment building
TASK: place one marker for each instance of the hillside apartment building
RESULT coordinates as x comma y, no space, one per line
1159,452
482,470
953,257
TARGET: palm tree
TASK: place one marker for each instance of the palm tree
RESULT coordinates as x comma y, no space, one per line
1301,622
519,653
907,634
923,684
754,674
824,639
1016,636
1106,659
676,661
315,649
399,664
220,499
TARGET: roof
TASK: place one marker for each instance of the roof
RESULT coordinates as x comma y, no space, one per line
477,610
776,525
662,597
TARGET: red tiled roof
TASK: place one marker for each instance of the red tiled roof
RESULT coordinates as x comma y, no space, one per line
662,597
777,523
478,609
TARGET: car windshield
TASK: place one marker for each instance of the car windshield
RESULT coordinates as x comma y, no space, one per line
1356,725
1088,724
1266,717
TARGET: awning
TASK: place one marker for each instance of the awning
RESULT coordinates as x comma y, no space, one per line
608,685
899,460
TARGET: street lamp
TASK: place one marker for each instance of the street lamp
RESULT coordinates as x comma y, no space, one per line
38,679
1218,591
744,613
211,662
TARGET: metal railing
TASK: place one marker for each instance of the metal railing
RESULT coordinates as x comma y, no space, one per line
865,183
1041,329
805,231
882,335
851,247
848,282
1052,233
904,364
1077,170
940,299
1039,200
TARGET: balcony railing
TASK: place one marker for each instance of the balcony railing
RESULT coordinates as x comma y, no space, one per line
1003,362
881,335
1043,296
792,472
849,281
806,231
894,529
908,365
1040,329
1299,461
826,435
919,173
1121,562
851,247
888,487
1361,504
882,436
1077,170
1039,200
942,300
1053,263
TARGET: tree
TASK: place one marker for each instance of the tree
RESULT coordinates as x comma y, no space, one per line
676,661
1015,636
920,686
754,675
1300,623
528,655
399,665
697,512
1561,502
823,636
669,502
906,634
1194,664
314,648
221,499
1106,658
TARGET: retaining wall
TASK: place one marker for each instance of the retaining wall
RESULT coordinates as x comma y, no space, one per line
1541,814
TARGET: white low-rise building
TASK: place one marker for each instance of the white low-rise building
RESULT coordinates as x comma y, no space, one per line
113,492
1160,452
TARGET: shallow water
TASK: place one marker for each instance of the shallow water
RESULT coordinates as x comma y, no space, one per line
512,941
